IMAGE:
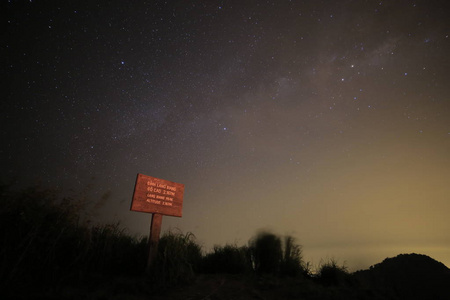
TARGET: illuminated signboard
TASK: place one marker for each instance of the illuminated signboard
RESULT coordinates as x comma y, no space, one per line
158,196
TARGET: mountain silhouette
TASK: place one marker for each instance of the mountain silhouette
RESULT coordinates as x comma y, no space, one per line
408,276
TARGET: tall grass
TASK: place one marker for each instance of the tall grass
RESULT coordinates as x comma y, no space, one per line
178,258
292,262
112,251
43,242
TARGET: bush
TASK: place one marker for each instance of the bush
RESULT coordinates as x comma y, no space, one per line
269,255
330,273
227,259
266,253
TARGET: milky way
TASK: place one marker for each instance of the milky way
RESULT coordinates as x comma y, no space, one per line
327,121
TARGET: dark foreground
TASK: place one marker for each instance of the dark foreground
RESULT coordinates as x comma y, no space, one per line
408,276
49,250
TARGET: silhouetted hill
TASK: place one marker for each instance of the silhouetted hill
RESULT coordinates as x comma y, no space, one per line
408,276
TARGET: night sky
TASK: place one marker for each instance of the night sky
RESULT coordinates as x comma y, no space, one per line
325,120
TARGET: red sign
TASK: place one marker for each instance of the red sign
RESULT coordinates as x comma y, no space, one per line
159,196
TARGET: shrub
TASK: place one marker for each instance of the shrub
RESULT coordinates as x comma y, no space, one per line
266,253
227,259
330,273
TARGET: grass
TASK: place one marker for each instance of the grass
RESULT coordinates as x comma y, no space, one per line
47,247
179,257
44,243
330,273
43,234
229,259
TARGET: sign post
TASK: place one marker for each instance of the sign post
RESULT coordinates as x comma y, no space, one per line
158,197
155,230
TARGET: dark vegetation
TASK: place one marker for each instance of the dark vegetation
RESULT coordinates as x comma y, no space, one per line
408,276
50,249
